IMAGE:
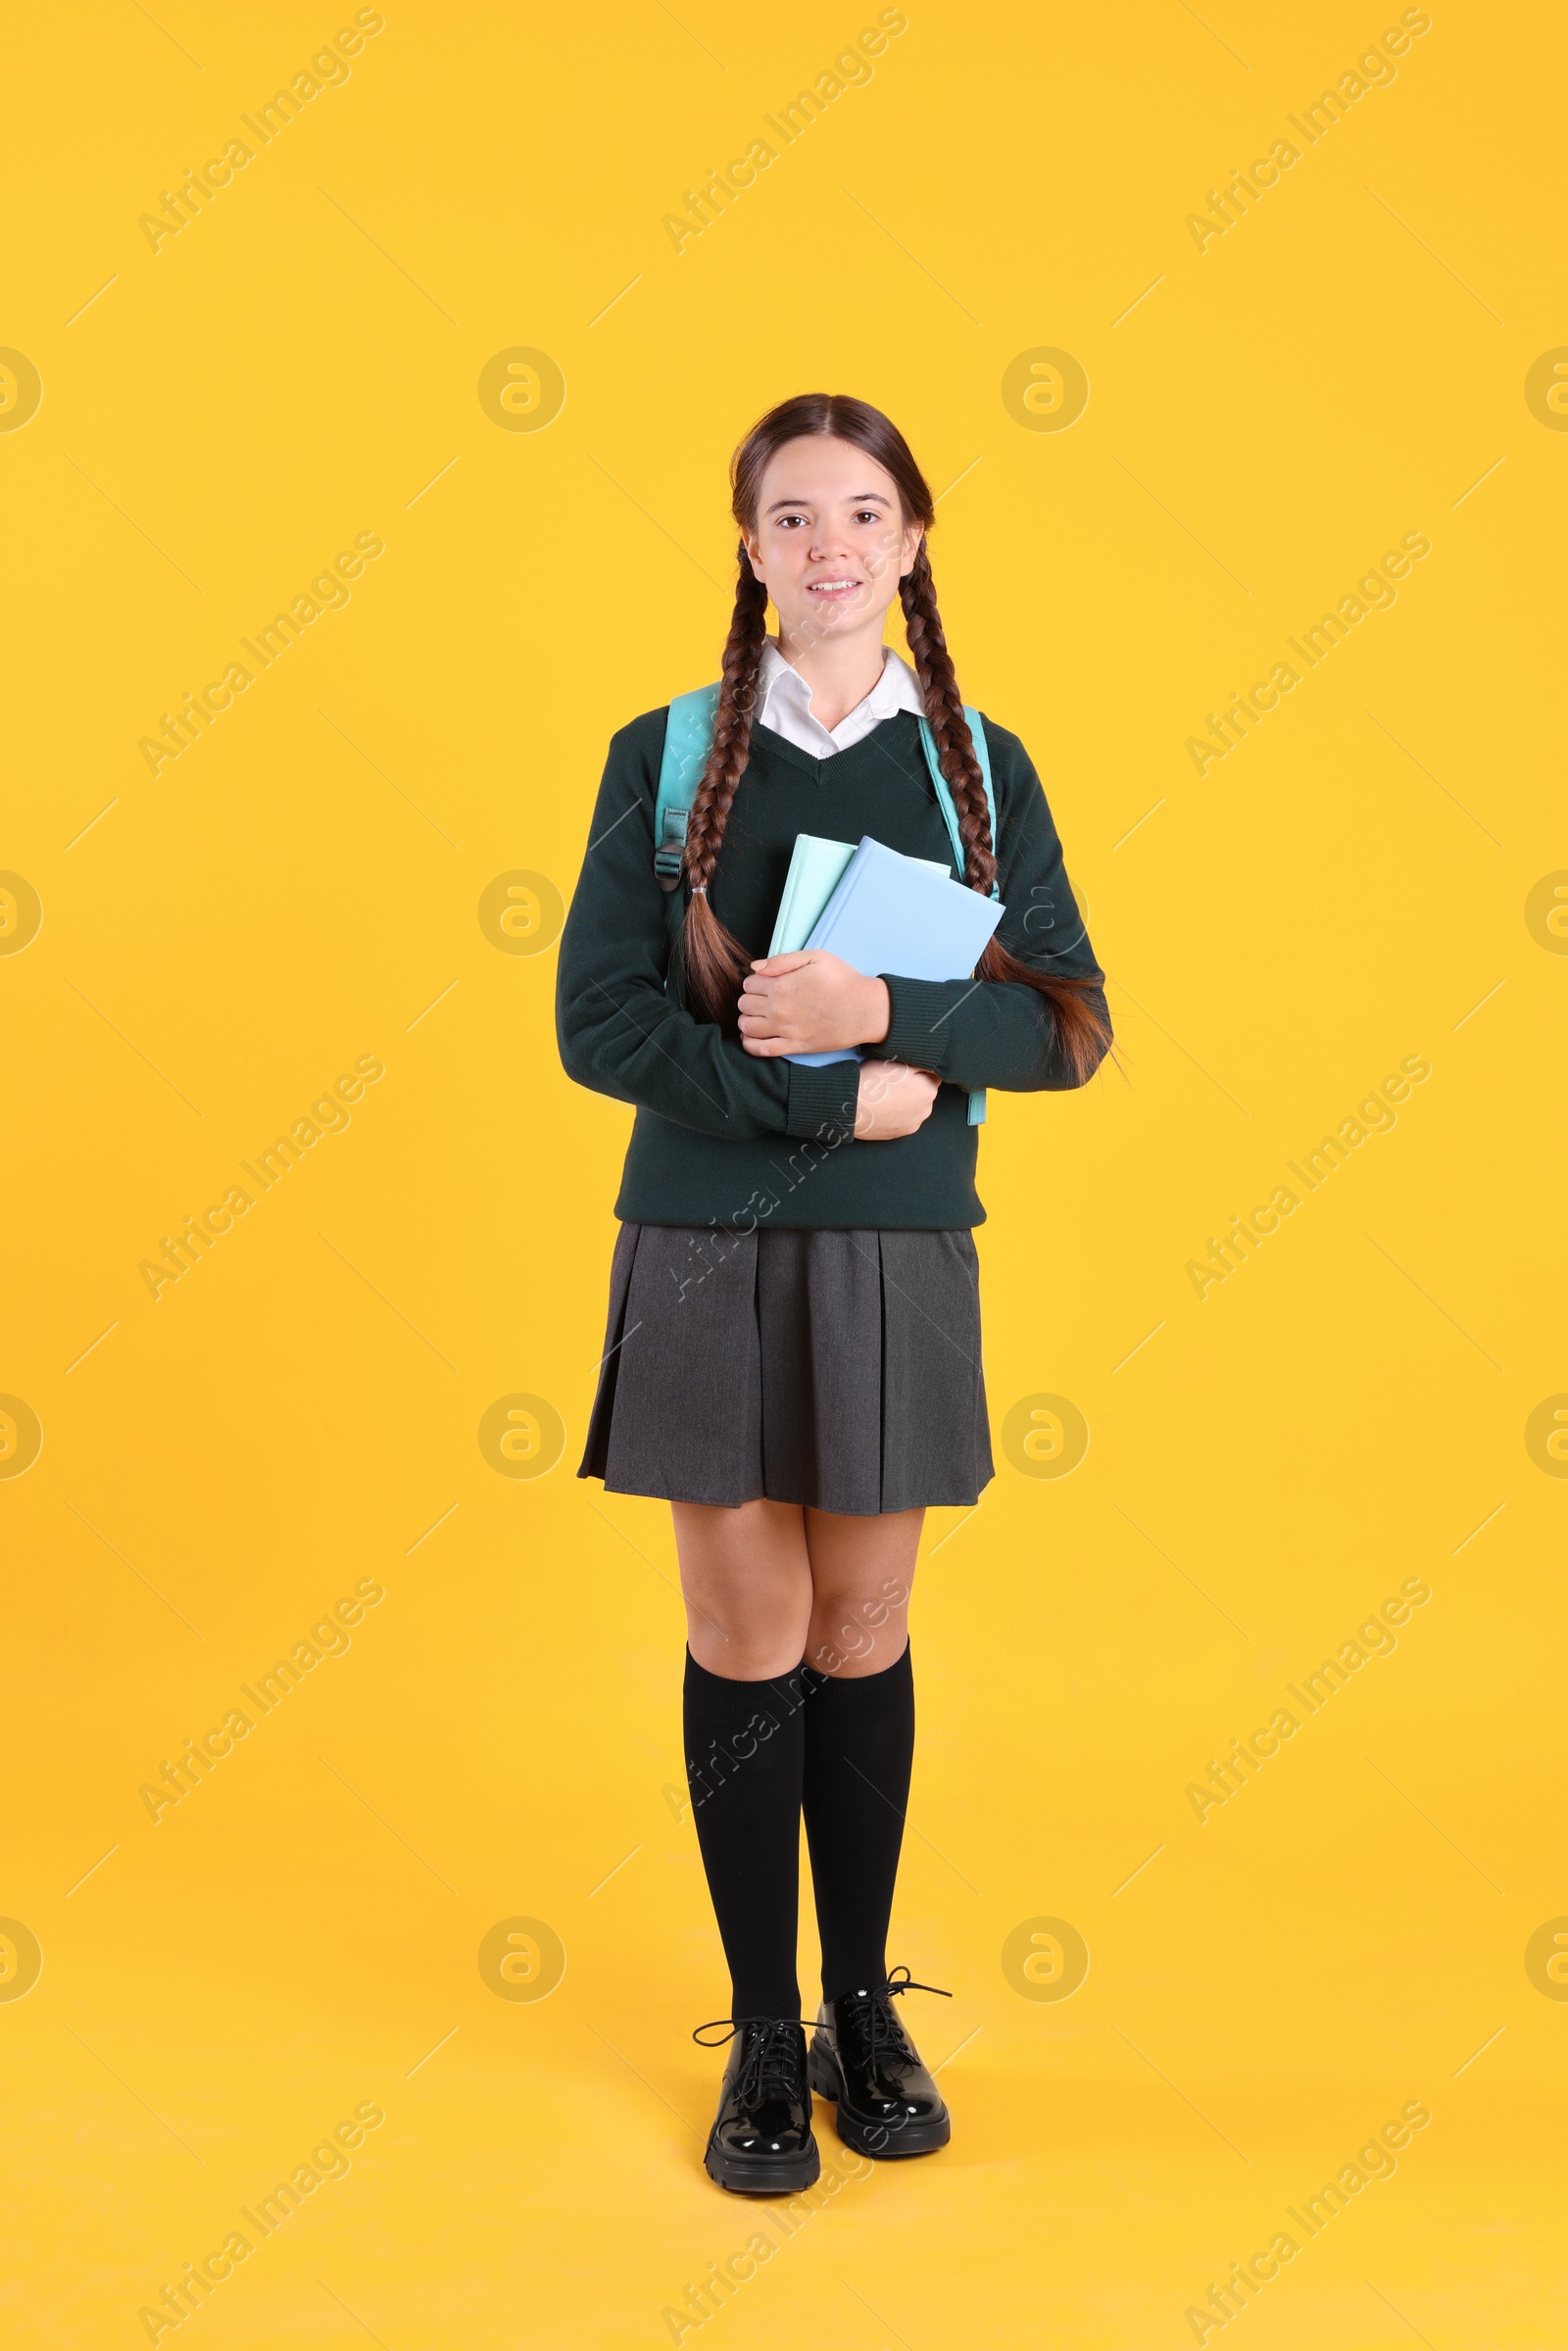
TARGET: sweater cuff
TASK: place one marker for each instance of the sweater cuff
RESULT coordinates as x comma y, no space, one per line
916,1031
822,1102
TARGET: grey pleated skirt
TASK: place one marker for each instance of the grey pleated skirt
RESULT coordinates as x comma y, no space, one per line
839,1370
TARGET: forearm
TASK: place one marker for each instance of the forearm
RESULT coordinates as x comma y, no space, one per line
978,1033
640,1046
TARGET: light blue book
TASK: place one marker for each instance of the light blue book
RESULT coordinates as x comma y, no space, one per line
903,915
816,869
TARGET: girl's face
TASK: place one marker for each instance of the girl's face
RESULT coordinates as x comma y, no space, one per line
829,541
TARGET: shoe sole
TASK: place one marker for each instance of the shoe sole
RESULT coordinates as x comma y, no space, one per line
781,2176
867,2137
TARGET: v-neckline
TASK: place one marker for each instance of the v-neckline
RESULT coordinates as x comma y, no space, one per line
779,747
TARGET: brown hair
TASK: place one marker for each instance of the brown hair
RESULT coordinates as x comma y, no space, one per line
715,963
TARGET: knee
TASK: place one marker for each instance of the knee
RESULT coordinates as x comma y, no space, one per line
750,1652
853,1624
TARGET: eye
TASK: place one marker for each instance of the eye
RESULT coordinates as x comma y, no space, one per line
869,513
785,521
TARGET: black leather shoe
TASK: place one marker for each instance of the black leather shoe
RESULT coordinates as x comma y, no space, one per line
863,2061
761,2143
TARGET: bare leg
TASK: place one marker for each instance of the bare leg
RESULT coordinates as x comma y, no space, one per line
862,1570
746,1580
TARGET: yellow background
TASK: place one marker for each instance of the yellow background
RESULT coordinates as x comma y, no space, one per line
301,888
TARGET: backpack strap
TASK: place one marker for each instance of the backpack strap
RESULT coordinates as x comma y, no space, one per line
981,751
688,738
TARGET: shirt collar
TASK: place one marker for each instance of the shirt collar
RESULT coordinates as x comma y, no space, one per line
896,689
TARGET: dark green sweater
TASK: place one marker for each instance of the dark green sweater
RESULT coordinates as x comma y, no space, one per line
723,1137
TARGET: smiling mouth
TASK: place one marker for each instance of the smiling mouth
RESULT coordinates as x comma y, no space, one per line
833,587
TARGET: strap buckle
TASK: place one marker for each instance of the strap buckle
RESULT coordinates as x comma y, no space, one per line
669,852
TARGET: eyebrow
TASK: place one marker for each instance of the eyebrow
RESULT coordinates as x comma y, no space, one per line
860,498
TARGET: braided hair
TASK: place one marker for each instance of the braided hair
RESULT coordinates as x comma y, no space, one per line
715,961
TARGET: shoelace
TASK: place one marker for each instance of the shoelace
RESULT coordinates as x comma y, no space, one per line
874,2011
773,2057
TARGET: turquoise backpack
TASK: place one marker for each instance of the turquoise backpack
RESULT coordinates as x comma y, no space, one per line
688,738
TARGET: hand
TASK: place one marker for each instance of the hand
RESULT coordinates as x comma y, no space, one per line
894,1100
812,1003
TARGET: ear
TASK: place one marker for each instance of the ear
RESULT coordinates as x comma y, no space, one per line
754,556
908,554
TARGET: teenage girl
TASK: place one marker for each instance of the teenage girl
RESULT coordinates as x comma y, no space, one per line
793,1352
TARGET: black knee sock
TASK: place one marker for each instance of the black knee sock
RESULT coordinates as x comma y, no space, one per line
859,1744
744,1749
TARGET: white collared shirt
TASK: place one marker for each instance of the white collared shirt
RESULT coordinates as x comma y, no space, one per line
784,702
